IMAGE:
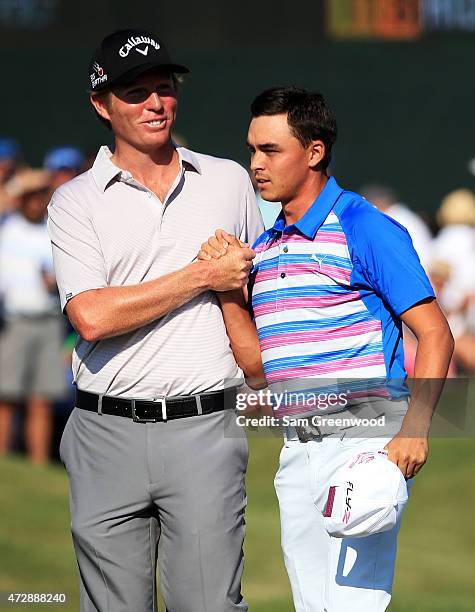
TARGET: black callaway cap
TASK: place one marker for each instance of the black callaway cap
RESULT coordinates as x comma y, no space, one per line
124,55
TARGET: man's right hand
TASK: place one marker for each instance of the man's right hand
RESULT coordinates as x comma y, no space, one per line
217,245
231,271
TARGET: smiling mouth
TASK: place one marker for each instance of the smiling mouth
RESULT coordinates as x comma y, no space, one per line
156,122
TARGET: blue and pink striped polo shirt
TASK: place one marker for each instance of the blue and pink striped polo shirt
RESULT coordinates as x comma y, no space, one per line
327,293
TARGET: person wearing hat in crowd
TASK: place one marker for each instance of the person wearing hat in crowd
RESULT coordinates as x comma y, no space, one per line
153,454
332,281
9,160
454,251
63,163
31,369
455,246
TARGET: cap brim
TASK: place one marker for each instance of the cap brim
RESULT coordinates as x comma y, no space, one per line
133,73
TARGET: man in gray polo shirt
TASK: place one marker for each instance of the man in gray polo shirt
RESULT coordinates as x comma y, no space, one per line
145,448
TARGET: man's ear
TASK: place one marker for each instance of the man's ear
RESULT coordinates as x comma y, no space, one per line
100,103
316,152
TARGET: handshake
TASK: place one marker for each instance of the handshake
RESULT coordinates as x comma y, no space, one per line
228,261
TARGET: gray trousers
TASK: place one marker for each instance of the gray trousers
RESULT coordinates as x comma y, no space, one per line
138,490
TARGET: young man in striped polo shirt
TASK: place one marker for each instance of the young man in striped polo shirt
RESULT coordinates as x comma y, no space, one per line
333,281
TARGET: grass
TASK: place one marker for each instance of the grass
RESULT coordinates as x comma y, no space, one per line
435,562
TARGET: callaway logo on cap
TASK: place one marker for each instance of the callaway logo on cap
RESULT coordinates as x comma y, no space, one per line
124,55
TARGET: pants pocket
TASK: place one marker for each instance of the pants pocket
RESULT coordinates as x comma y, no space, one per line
63,442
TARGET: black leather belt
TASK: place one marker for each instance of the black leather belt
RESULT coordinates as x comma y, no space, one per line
161,409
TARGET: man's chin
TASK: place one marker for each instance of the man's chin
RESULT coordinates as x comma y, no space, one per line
160,141
268,197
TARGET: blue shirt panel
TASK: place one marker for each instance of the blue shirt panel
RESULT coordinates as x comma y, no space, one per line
386,271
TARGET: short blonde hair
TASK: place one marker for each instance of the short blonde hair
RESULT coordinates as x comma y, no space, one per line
457,208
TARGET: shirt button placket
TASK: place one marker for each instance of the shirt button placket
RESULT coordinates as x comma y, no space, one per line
281,274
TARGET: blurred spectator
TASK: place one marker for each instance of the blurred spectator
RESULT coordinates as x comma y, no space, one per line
454,249
455,245
63,164
31,369
385,199
9,158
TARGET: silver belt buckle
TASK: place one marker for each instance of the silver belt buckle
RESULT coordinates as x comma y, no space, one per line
137,419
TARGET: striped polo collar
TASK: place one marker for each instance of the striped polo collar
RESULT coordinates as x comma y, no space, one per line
319,210
104,171
188,157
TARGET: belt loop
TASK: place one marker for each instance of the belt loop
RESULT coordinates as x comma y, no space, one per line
198,404
99,403
164,409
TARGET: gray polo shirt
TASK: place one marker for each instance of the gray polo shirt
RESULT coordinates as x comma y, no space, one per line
109,230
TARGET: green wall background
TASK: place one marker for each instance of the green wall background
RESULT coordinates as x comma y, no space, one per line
405,110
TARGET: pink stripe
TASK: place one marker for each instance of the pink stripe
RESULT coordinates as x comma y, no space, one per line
377,392
324,368
296,238
321,236
264,246
310,268
311,302
336,237
319,335
335,272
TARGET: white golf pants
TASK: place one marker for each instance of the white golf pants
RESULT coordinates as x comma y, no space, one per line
329,574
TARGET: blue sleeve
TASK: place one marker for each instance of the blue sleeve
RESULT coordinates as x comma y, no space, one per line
383,250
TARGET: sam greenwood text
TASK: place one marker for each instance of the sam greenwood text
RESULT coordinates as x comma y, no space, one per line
316,420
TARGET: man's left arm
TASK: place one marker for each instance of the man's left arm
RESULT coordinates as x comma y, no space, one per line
391,267
242,336
240,328
410,447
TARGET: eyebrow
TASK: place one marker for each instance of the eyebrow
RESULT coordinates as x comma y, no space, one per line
263,147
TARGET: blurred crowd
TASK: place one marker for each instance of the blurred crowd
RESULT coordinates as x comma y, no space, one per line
36,341
446,248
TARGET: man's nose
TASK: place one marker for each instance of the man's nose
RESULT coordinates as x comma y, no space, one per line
154,101
257,162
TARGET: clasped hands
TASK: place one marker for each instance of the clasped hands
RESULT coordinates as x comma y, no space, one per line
230,260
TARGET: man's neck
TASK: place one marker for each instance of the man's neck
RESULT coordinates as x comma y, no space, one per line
156,170
296,208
